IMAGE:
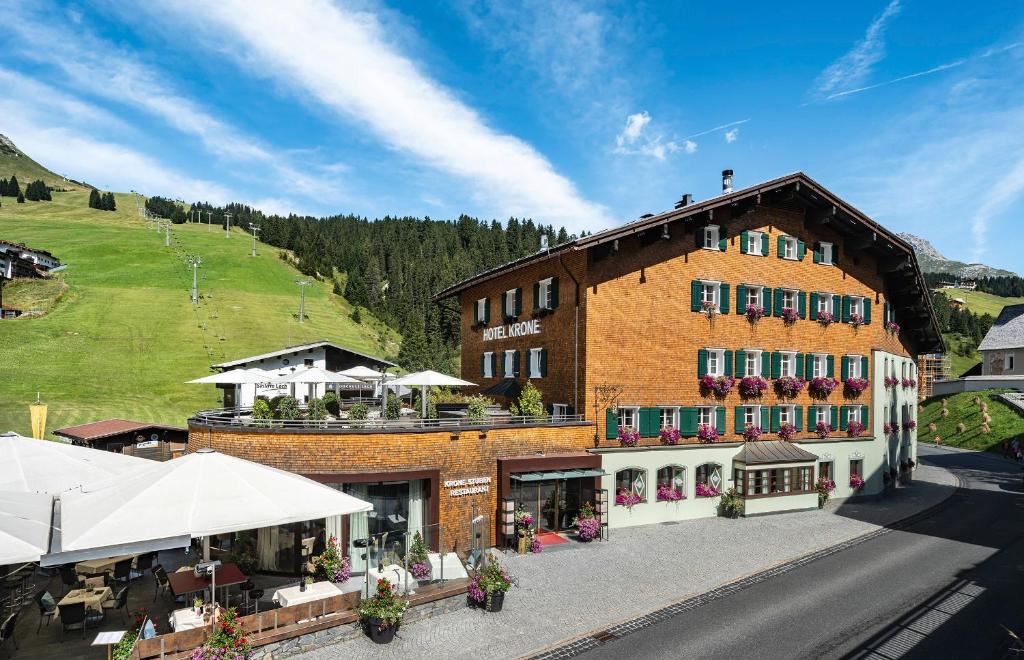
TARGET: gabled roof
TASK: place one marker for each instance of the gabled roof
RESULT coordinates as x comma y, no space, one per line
1007,331
895,256
109,427
296,349
766,452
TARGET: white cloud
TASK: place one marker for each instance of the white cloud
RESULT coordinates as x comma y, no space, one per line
634,127
732,135
689,146
344,62
854,67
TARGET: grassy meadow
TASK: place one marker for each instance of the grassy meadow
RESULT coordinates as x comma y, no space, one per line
123,337
1006,421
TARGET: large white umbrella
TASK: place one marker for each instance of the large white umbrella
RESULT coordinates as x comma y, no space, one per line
361,373
24,526
427,379
199,494
236,377
43,466
314,376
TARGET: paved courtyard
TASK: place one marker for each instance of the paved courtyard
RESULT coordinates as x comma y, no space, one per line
571,591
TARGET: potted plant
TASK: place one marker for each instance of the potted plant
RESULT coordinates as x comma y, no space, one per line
789,386
489,586
228,641
854,386
752,433
718,386
790,316
854,428
731,504
754,313
669,435
709,309
787,432
419,564
824,486
628,437
856,481
826,319
821,387
330,565
752,386
856,320
823,430
524,531
892,327
707,433
197,605
382,612
588,527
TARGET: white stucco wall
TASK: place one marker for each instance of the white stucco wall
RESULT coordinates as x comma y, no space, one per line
899,403
996,362
281,366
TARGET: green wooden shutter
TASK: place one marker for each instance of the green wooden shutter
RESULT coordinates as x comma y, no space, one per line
817,260
764,244
863,367
837,311
476,312
728,363
723,298
799,365
744,242
695,291
846,309
801,304
813,311
864,418
720,419
766,363
867,311
798,417
809,365
844,416
741,298
886,312
688,421
554,293
811,424
738,419
487,311
833,418
830,365
801,248
780,246
778,302
494,364
766,301
845,369
775,420
741,364
519,301
536,296
515,364
543,363
723,239
483,368
776,365
764,418
702,362
611,423
644,422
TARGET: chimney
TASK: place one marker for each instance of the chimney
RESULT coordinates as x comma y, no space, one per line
685,200
726,182
543,241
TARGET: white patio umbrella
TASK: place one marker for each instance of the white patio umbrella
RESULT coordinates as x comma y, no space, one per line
315,376
24,526
42,466
427,379
199,494
361,373
236,377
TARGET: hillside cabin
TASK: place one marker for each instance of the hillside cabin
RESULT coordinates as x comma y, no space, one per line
158,442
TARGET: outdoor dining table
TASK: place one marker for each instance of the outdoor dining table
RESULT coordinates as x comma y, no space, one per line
93,566
394,574
186,619
186,582
315,591
93,598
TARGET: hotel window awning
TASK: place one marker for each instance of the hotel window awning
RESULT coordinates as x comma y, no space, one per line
557,474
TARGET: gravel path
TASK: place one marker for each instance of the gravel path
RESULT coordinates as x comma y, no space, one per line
568,592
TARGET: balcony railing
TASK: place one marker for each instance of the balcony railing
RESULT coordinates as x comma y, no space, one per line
242,418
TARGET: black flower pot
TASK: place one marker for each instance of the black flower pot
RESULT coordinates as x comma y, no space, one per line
379,636
495,602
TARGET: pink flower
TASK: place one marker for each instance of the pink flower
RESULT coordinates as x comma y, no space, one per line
754,313
910,426
752,433
705,490
669,435
628,437
627,498
856,482
588,528
854,428
821,387
717,385
790,315
854,386
788,386
707,433
823,430
856,320
826,318
787,432
891,381
892,327
668,494
753,386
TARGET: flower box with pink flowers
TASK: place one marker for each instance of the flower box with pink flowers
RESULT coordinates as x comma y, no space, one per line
909,383
754,313
707,433
854,428
855,386
856,320
825,318
669,494
628,437
821,387
718,386
856,482
790,316
669,435
752,433
789,386
787,432
705,490
752,386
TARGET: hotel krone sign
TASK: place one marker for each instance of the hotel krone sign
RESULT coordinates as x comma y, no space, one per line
520,329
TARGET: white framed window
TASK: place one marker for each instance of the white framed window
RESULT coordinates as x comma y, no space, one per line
631,481
629,416
509,364
755,296
755,239
789,248
544,293
853,366
903,369
559,411
710,292
819,365
510,302
668,417
823,415
789,298
1008,362
826,253
752,362
710,236
752,415
535,363
481,309
856,305
854,414
706,415
787,363
489,364
716,361
825,303
787,415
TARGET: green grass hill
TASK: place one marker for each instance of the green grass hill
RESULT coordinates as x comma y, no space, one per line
1006,421
15,161
121,335
980,303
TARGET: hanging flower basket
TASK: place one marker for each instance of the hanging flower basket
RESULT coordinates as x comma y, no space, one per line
854,386
707,433
825,319
856,482
752,387
627,498
892,327
891,382
718,386
856,320
709,309
628,437
752,433
669,494
909,383
789,386
704,490
790,316
909,426
854,429
821,387
823,430
754,313
669,435
889,429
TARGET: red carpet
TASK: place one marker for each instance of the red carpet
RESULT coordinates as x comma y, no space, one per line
550,538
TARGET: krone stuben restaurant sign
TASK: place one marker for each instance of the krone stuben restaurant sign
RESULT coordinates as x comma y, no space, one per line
520,329
459,487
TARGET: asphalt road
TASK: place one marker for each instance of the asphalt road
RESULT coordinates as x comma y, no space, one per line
939,588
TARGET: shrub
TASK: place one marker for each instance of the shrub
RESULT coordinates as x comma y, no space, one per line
393,407
945,413
731,504
417,558
961,427
331,565
288,408
228,641
359,411
385,606
274,404
529,403
261,411
331,403
316,410
476,408
932,427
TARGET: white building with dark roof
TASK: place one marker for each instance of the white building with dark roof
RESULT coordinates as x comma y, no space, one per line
1002,349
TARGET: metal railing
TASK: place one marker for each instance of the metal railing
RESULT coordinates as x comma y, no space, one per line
242,418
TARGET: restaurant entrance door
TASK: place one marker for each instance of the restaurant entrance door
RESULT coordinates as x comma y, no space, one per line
553,503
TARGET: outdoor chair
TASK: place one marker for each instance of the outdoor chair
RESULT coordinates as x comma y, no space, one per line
71,615
69,578
143,564
46,610
254,600
119,602
123,570
160,578
7,631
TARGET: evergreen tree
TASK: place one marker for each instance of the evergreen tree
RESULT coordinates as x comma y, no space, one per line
94,199
21,198
414,354
3,187
13,189
108,202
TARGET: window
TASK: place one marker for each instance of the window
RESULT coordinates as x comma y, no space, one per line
510,302
481,310
819,368
709,293
1008,363
710,237
789,298
754,245
857,467
628,418
853,366
535,363
854,414
789,248
757,482
630,481
787,364
803,478
672,478
544,294
825,469
752,416
667,417
775,481
752,363
787,415
709,475
308,362
755,296
856,305
706,415
489,364
903,369
826,253
559,411
823,415
716,362
781,480
510,364
825,303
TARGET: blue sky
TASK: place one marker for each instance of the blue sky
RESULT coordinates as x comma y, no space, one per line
583,114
